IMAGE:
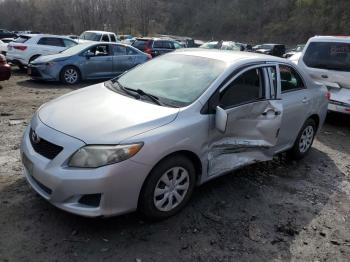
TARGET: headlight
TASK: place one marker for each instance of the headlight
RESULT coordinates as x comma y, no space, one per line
99,155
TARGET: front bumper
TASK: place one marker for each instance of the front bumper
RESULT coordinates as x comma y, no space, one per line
42,73
117,186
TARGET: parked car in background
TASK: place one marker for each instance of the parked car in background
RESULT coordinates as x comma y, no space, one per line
98,36
5,69
327,60
271,49
156,46
3,45
87,61
74,37
146,139
223,45
7,34
198,43
297,49
126,39
26,48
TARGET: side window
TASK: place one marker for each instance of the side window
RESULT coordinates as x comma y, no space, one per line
290,79
69,43
119,50
177,45
130,51
112,38
168,45
158,44
99,50
105,38
248,87
51,41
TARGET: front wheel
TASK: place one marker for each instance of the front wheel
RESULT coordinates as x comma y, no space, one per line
70,75
304,140
167,189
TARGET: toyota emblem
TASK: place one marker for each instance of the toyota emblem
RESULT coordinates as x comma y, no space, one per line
35,137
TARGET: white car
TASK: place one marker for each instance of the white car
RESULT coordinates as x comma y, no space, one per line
327,60
98,36
3,45
26,48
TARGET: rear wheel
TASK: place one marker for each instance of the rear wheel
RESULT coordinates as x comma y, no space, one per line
304,140
167,189
70,75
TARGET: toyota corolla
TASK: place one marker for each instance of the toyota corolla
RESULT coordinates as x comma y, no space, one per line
145,140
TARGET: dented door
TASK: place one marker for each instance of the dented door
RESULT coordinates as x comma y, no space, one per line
252,126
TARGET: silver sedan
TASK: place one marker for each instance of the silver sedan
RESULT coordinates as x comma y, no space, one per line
87,61
145,140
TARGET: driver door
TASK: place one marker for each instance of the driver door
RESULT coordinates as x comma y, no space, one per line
254,117
99,62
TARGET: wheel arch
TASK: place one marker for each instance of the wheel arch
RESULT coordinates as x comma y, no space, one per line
71,65
316,118
186,153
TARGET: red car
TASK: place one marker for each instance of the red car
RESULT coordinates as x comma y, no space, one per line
5,69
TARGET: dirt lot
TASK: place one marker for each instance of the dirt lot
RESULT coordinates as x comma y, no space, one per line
276,211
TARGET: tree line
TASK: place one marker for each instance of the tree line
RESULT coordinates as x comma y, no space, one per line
285,21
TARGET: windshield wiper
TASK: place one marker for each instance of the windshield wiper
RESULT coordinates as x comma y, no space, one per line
143,93
124,89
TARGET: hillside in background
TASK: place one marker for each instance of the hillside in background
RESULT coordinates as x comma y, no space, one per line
285,21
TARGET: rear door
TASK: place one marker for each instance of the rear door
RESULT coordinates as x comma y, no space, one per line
98,62
123,60
296,100
254,119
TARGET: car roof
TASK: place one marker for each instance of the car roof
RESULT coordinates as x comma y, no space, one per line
99,32
229,57
342,38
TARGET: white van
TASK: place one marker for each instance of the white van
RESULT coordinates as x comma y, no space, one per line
327,60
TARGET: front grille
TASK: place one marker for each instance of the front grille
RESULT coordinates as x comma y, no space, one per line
43,147
34,72
338,103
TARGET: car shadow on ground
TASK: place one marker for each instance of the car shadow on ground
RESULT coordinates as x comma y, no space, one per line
254,214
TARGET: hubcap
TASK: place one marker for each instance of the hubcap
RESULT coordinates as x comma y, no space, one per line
306,139
171,189
71,76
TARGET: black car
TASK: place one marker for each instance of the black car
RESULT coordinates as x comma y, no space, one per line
271,49
156,46
6,34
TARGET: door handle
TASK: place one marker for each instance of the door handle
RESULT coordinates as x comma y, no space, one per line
324,76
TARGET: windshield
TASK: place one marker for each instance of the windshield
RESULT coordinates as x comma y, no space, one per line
177,80
266,47
90,36
75,49
332,56
209,45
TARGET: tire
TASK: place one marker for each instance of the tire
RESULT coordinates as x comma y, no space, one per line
156,206
33,58
304,140
70,75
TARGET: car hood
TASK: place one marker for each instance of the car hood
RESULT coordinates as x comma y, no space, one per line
98,115
49,58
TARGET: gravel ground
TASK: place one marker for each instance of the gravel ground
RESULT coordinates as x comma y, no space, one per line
275,211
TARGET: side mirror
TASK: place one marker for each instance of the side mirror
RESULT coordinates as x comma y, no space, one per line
89,54
220,119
